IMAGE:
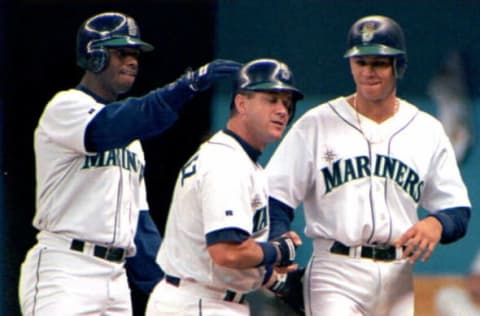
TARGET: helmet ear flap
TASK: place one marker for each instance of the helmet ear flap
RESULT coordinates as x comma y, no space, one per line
97,60
400,65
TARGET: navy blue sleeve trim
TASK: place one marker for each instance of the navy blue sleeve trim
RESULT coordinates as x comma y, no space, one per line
142,269
119,123
281,216
234,235
454,221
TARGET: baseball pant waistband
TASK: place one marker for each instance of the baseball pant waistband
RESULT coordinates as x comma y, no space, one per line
205,291
112,254
374,252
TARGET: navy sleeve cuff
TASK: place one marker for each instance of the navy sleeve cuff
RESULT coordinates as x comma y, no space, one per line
454,222
235,235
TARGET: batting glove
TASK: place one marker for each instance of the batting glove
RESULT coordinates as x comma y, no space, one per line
289,288
202,78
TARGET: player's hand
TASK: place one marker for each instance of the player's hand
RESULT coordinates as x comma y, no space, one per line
286,269
202,78
294,236
420,240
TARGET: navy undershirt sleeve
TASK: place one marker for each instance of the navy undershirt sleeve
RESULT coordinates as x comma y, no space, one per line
454,221
142,269
121,122
281,217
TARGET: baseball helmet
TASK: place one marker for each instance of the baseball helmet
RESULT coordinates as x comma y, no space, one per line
381,36
109,29
267,75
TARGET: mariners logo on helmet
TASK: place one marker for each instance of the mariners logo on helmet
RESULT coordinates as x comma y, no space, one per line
368,30
378,35
110,29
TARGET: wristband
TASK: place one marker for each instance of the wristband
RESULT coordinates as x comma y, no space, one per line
270,253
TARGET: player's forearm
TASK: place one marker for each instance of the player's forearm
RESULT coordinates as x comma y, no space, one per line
245,255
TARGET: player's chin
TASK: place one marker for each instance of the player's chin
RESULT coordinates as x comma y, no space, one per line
124,86
276,133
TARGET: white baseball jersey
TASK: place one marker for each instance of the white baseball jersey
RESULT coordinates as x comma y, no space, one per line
94,197
361,182
220,187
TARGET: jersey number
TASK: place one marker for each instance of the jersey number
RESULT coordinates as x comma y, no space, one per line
189,169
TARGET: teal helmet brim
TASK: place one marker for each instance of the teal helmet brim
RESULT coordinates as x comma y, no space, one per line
373,50
276,86
125,41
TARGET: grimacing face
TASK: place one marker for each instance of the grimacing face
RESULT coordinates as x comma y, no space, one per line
374,76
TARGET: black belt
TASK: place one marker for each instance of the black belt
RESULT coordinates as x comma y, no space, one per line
381,253
229,294
108,253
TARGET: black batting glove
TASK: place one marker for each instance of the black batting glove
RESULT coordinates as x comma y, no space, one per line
203,78
289,288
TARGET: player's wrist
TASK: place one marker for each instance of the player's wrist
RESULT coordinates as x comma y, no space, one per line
270,253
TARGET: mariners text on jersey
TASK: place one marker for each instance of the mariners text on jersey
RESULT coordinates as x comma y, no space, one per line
343,171
115,157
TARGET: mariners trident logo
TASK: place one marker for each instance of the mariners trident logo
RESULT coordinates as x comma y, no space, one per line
368,31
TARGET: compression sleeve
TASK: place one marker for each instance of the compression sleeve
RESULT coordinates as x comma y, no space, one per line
142,269
454,221
281,216
119,123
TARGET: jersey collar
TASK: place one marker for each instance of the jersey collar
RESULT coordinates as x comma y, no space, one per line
90,93
253,153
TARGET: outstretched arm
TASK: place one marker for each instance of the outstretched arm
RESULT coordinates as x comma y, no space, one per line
119,123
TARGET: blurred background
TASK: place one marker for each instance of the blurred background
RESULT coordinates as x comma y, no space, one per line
37,58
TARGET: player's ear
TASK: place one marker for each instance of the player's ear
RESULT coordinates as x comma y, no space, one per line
240,102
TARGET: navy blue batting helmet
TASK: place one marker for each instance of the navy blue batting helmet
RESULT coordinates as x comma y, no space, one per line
109,29
267,75
378,35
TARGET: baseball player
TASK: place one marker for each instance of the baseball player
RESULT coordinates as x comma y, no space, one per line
90,173
362,165
215,247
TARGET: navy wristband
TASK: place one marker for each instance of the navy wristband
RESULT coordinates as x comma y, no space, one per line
270,253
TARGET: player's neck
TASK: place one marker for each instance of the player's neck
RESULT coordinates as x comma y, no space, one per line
377,111
235,125
91,82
